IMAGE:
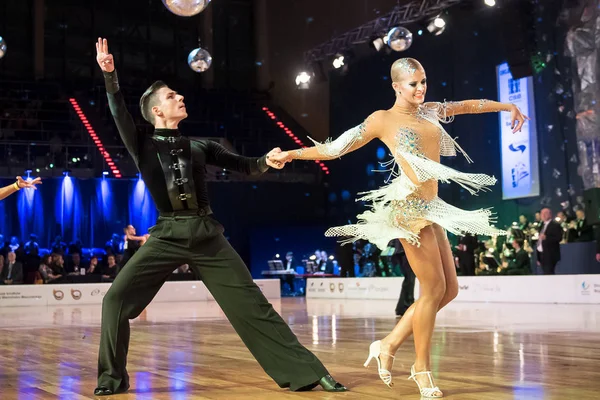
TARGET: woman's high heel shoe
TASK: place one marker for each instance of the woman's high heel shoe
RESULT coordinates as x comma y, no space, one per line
432,392
374,352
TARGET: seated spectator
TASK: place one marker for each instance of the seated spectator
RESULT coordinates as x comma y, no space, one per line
109,273
12,274
75,266
46,270
519,263
93,268
58,264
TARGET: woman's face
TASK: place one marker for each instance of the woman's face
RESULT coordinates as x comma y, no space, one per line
412,86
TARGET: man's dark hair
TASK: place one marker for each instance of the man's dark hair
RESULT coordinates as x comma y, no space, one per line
150,99
520,242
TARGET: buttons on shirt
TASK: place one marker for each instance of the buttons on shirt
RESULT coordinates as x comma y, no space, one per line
181,181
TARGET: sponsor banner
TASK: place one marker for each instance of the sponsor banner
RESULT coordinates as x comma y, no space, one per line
563,289
519,151
354,288
271,288
71,294
23,295
93,293
182,291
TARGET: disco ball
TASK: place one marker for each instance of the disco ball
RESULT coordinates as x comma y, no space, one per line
399,38
2,47
186,8
199,60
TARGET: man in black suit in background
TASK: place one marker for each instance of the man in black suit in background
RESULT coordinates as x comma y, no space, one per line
548,245
407,294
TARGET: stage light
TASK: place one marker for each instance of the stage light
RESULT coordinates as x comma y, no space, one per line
490,3
338,62
420,32
377,43
436,26
303,80
105,173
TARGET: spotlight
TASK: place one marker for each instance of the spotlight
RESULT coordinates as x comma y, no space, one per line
105,173
303,80
338,62
436,26
377,43
28,173
420,32
66,172
490,3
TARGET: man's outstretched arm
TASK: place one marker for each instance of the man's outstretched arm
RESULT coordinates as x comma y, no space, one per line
116,102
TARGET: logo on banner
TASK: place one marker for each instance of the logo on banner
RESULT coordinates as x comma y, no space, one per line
379,289
463,287
97,292
520,147
58,294
332,287
514,89
596,288
585,288
518,173
341,287
76,294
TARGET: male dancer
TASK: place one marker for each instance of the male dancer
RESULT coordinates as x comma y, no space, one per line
18,185
186,233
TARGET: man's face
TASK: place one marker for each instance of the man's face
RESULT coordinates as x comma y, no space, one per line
580,214
76,259
111,260
12,257
522,219
546,214
171,106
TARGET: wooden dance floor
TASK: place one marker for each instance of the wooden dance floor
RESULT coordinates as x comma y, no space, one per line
189,351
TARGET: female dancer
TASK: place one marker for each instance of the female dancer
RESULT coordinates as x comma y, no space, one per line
408,207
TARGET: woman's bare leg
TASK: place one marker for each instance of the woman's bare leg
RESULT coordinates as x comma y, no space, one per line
403,328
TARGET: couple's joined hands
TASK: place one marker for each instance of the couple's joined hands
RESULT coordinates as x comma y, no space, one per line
277,158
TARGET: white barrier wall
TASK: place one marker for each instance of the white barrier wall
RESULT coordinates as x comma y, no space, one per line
581,289
92,293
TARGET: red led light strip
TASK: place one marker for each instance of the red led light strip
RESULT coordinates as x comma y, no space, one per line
289,132
95,138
